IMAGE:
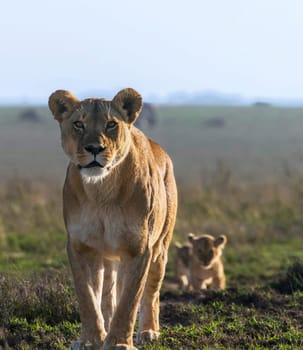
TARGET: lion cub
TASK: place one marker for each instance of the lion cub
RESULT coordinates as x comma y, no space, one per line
183,253
206,266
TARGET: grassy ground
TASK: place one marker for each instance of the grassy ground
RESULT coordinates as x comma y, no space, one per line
41,313
260,309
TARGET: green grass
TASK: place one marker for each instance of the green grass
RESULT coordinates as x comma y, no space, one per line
33,252
260,309
32,235
234,319
41,313
37,313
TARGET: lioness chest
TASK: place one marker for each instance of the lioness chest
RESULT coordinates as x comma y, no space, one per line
111,232
117,231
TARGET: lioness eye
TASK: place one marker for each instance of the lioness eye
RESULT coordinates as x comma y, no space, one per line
78,125
111,124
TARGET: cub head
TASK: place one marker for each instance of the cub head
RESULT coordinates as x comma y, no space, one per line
207,249
96,133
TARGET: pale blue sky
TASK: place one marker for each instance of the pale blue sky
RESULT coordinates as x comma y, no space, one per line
253,48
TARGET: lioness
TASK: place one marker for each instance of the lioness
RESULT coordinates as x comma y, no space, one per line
205,263
119,206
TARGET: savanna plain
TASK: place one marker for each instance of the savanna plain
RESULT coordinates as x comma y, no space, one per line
239,172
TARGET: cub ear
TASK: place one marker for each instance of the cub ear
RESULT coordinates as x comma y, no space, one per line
61,103
191,237
220,241
128,102
178,245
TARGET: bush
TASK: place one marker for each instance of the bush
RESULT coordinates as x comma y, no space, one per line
292,280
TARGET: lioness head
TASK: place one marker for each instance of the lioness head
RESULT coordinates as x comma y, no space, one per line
206,248
95,133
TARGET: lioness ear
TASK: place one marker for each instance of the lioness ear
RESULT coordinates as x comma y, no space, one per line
191,237
128,103
61,103
220,241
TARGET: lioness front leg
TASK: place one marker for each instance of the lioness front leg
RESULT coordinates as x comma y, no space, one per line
149,328
109,293
87,269
122,325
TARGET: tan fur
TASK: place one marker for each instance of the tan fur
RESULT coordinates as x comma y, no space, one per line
183,253
202,265
119,216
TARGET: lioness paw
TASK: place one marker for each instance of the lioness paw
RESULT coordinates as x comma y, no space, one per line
147,336
80,345
123,347
109,344
77,345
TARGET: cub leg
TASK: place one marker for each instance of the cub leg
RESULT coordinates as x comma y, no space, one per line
218,283
87,269
196,284
183,281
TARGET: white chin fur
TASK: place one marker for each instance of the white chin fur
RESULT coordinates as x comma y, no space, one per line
93,175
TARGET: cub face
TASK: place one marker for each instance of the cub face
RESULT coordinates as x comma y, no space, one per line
96,133
207,249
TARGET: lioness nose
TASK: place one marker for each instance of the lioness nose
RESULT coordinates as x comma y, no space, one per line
94,149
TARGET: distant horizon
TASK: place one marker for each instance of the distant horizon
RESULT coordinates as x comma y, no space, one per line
203,97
